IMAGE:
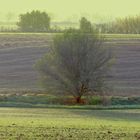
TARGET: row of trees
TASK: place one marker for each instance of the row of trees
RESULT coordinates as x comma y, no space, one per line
127,25
37,21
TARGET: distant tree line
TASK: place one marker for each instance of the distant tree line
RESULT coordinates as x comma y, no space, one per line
127,25
37,21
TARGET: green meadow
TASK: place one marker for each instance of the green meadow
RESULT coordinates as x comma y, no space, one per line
65,124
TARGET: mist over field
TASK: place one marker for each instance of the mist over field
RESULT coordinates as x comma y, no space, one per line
71,10
70,69
19,53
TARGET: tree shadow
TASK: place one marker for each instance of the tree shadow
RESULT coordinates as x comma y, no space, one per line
128,115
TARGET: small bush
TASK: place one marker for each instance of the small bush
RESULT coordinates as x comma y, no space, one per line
94,100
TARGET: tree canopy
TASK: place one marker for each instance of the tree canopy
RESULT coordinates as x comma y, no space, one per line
85,25
76,64
35,21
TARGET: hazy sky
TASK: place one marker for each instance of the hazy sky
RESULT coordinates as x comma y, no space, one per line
71,9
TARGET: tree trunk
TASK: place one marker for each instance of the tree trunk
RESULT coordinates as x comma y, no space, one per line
78,100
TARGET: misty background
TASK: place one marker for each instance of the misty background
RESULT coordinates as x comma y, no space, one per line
68,12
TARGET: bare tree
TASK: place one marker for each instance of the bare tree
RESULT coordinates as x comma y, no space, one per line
76,64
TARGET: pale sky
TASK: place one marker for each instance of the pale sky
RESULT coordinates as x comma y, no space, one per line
61,10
